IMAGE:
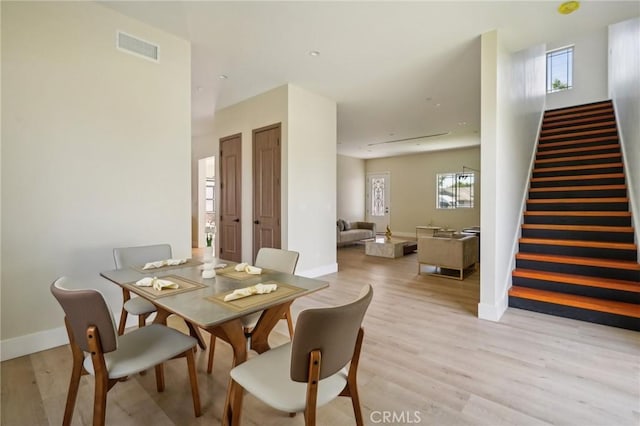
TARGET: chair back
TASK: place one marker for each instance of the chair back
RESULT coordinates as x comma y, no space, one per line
277,259
133,256
333,331
84,308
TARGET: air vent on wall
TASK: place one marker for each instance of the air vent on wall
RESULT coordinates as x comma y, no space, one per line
136,46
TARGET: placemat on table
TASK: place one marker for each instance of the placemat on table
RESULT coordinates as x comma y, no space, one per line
245,303
188,263
185,285
230,272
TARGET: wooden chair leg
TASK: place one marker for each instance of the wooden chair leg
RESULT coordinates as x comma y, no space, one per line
212,348
287,316
100,399
312,388
159,378
351,388
123,322
355,402
74,382
193,378
126,295
142,320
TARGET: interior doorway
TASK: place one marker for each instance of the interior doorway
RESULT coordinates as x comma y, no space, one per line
207,203
229,225
266,188
378,200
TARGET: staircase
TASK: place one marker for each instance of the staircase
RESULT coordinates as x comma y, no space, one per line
577,255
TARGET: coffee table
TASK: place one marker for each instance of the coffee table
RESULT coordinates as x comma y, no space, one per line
392,248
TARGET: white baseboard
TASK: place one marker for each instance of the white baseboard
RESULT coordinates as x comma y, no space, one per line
32,343
42,340
319,271
492,312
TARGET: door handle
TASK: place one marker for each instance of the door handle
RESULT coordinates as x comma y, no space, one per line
236,220
257,222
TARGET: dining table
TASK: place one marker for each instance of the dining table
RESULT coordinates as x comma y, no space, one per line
200,302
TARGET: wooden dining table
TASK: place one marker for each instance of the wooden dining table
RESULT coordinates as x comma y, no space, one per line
199,301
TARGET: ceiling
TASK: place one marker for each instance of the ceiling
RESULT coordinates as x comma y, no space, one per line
397,70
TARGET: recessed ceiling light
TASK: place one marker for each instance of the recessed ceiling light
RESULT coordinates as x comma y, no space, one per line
223,77
438,105
314,53
568,7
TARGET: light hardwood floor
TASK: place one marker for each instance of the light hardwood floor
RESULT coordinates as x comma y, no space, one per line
426,359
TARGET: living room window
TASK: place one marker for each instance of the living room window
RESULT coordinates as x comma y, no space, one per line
455,190
560,69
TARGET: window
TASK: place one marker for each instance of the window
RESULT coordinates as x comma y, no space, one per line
455,190
560,69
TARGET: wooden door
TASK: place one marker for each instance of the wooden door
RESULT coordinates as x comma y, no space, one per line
266,188
231,198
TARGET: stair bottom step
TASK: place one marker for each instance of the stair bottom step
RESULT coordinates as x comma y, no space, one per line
582,314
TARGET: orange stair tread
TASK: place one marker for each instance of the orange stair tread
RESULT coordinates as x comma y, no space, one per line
577,167
556,123
630,286
583,261
579,157
578,149
582,302
599,113
580,177
578,188
578,200
574,135
546,145
577,213
591,228
579,243
574,109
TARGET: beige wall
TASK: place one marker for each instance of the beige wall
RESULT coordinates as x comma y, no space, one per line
308,169
413,189
512,104
350,188
95,155
311,181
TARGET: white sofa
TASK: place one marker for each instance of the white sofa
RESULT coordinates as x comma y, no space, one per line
354,232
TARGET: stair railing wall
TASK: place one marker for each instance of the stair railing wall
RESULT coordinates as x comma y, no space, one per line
632,185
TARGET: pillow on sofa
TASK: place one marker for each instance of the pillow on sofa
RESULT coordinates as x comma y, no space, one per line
340,223
347,225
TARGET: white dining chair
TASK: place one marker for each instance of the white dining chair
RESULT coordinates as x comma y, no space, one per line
268,258
311,370
99,351
125,257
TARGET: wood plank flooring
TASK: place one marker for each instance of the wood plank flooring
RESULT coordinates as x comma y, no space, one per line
426,359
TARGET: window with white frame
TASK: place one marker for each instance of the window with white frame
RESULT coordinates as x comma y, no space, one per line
560,69
455,190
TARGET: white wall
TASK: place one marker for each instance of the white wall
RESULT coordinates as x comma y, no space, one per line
308,125
512,102
624,87
350,188
413,189
95,155
589,70
311,181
